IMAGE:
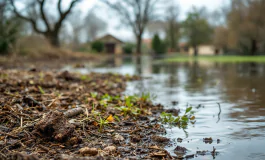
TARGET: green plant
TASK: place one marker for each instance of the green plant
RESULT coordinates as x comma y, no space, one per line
102,122
146,97
97,46
84,78
181,121
41,90
128,48
94,94
107,97
129,107
94,112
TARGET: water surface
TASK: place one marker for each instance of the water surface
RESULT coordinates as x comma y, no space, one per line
239,88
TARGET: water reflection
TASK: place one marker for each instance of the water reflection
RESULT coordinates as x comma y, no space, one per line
237,87
229,100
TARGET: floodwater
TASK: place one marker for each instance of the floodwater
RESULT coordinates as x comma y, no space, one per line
239,121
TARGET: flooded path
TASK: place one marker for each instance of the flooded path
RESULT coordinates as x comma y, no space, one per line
239,120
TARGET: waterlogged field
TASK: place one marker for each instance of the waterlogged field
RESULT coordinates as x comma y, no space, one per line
227,100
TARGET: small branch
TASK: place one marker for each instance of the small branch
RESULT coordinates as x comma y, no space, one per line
32,21
7,134
73,112
63,15
59,7
44,18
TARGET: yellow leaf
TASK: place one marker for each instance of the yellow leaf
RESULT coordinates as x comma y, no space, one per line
110,118
192,118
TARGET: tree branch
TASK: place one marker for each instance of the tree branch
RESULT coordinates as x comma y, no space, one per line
63,15
59,4
32,21
43,16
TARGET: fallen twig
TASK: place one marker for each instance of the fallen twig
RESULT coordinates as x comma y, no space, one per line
73,112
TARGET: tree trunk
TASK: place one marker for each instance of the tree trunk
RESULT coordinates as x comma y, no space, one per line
172,37
53,38
195,51
139,44
253,47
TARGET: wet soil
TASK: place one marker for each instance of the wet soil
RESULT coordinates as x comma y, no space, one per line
58,115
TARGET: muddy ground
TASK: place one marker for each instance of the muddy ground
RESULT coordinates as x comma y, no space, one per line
62,115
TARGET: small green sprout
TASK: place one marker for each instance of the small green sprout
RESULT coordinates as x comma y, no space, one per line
94,94
41,90
102,122
181,121
84,78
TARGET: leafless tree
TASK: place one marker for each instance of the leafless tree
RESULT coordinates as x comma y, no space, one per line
36,11
172,26
94,25
246,23
136,14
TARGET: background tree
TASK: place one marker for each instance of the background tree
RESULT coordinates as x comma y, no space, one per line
10,28
77,26
197,29
94,25
172,28
221,38
35,12
97,46
247,24
128,48
136,14
158,46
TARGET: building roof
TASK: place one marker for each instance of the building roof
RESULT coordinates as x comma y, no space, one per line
108,37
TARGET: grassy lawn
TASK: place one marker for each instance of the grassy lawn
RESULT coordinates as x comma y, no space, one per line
228,59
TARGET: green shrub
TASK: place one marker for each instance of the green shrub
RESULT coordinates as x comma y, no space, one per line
128,48
158,46
97,46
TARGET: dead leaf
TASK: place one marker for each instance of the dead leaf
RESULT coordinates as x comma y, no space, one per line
95,123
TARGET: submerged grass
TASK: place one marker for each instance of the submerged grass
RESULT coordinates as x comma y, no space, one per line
223,59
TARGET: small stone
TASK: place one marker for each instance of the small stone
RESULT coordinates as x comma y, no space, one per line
110,149
179,140
135,139
89,151
160,139
180,150
118,138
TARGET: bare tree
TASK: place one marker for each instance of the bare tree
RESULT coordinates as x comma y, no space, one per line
136,14
172,26
51,31
94,25
246,22
77,25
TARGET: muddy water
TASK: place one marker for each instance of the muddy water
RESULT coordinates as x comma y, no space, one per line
239,121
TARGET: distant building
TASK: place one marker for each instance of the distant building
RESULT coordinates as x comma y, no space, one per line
204,49
147,45
112,44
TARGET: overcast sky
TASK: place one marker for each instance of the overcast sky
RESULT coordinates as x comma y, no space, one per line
126,34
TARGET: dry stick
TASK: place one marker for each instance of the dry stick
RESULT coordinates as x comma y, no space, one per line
52,102
73,112
12,136
44,148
